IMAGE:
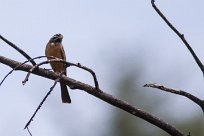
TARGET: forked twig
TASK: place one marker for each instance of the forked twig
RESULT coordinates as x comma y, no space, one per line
29,131
89,70
179,92
32,69
18,49
101,95
53,58
19,66
68,64
41,103
181,36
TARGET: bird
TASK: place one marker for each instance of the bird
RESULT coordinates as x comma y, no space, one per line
55,48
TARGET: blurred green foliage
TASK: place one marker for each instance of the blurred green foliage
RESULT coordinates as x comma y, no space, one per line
130,88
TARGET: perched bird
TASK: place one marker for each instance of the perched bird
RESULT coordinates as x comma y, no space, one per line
55,48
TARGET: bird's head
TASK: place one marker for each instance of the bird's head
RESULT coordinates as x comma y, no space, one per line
57,38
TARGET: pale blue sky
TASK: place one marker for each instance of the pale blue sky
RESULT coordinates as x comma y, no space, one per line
95,33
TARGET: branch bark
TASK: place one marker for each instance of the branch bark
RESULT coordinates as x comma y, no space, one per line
193,98
99,94
181,36
18,49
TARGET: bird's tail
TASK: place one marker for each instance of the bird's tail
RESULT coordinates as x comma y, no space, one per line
64,93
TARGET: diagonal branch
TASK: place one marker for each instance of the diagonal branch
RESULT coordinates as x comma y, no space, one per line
181,36
29,131
41,103
18,49
179,92
10,72
53,59
99,94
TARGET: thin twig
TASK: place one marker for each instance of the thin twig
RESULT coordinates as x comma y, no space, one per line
18,49
32,69
53,58
89,70
181,36
99,94
179,92
68,64
37,65
29,131
41,103
19,66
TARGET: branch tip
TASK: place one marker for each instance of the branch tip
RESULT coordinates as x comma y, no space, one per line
181,36
18,49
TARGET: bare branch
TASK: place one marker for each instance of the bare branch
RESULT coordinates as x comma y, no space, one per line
18,49
29,131
89,70
19,66
181,36
99,94
54,59
41,103
179,92
32,69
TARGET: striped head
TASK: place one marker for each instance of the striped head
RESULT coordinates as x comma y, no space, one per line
57,38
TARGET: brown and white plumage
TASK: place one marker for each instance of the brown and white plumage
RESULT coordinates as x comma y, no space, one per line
55,48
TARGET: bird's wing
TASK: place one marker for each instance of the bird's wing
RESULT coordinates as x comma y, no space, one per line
63,56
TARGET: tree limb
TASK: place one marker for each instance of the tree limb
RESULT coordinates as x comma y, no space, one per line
179,92
18,49
181,36
41,103
99,94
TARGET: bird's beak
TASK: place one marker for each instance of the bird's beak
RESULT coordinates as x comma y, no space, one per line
60,37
